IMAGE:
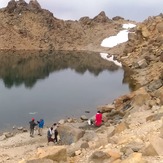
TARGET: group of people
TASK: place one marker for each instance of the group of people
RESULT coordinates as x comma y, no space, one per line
52,133
40,125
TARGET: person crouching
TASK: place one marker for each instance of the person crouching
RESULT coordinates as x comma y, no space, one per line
50,134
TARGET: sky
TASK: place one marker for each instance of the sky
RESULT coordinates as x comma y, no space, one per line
137,10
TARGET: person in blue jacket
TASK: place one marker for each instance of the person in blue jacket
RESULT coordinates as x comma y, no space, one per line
40,126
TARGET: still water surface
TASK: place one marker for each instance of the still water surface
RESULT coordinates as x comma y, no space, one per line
56,86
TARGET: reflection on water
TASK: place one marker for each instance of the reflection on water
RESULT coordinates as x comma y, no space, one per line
28,67
54,85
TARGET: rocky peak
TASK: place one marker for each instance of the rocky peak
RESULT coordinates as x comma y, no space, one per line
34,5
101,18
20,5
11,6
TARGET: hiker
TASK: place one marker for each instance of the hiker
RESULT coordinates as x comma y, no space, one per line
40,126
98,119
55,132
32,126
50,134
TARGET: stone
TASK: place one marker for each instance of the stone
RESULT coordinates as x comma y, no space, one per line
141,96
84,118
55,153
126,151
99,156
34,5
69,134
40,161
161,130
62,121
114,155
149,151
101,17
78,152
116,18
106,108
160,27
11,6
3,137
145,32
154,85
142,63
121,127
8,134
84,145
134,158
154,117
155,148
159,94
117,161
161,57
20,128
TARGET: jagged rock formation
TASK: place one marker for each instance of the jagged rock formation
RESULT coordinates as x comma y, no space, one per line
143,53
27,26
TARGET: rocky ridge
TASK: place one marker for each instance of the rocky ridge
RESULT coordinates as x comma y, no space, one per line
132,131
29,27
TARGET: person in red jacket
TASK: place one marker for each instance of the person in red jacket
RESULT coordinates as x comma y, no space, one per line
98,119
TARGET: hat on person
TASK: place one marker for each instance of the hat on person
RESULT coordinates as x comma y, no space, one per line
33,119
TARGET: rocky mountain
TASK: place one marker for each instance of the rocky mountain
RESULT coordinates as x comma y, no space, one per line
132,130
29,27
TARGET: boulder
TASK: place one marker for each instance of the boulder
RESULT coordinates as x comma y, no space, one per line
154,117
40,161
140,64
145,32
114,155
84,145
154,85
160,27
84,118
55,153
117,18
34,5
161,130
155,148
105,108
141,97
159,94
121,127
69,134
161,57
99,156
134,158
101,18
11,6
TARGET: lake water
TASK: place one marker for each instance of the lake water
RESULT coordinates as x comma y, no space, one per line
55,85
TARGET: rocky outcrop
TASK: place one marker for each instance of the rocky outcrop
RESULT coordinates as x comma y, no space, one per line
34,5
69,134
143,54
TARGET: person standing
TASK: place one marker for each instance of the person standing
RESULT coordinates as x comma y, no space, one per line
32,126
55,132
40,126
